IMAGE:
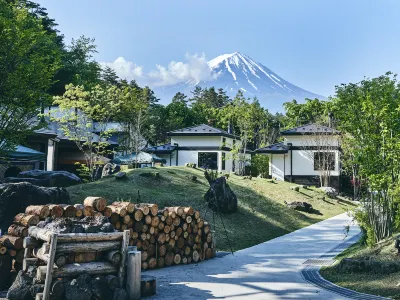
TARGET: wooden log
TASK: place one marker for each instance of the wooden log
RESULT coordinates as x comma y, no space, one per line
138,215
84,257
178,210
184,260
143,236
209,238
112,282
200,224
161,262
169,258
114,257
152,230
18,230
26,220
161,238
197,215
13,242
162,250
209,253
189,211
44,235
56,210
148,219
206,228
152,262
195,256
72,270
161,226
168,221
185,226
79,210
155,221
152,207
138,226
143,207
163,212
179,231
144,255
181,242
177,259
128,206
114,218
42,211
133,275
171,242
187,250
148,286
120,210
189,219
69,210
3,249
176,221
88,211
145,228
145,265
124,257
151,250
126,219
107,212
167,229
98,203
88,246
49,268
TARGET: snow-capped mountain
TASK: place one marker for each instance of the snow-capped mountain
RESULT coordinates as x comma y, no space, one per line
236,72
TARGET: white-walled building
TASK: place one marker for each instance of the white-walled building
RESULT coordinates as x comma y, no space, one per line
296,158
202,145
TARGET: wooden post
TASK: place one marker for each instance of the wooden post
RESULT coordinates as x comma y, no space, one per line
50,264
124,254
133,275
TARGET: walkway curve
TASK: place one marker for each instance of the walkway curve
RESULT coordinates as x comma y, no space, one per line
268,271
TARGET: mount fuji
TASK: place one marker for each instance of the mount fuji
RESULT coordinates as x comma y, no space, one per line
237,71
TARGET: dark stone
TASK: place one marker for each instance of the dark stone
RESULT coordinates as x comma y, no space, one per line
5,269
21,288
120,176
120,294
220,197
79,288
15,197
301,206
110,169
52,178
100,289
39,182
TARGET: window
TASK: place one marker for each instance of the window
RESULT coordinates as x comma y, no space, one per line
208,160
223,161
324,161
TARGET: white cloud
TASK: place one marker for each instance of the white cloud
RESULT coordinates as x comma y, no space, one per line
193,70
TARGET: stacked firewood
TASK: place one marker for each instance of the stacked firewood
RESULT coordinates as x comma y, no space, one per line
172,235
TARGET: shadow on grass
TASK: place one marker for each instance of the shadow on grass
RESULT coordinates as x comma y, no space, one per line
304,194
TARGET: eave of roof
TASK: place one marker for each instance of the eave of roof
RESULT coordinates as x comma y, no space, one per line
279,148
201,130
310,129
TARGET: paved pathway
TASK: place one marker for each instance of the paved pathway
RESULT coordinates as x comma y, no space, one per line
268,271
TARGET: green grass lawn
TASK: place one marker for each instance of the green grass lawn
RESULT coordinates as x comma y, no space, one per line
261,216
376,283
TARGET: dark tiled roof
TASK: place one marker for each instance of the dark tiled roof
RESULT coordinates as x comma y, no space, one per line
275,148
167,148
201,130
310,129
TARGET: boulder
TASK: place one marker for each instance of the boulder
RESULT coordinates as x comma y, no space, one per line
39,182
110,169
301,206
21,288
52,178
220,197
15,197
121,176
329,191
79,288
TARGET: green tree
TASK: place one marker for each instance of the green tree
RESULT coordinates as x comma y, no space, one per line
109,76
368,115
83,117
29,58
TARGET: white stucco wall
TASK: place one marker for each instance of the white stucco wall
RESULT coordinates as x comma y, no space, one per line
277,166
199,141
304,165
309,140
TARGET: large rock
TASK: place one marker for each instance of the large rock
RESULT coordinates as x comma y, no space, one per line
220,197
301,206
79,289
52,178
21,288
15,197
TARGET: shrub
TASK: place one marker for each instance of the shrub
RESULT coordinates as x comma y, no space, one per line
260,165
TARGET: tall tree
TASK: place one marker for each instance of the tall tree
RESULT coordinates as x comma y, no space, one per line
29,58
109,76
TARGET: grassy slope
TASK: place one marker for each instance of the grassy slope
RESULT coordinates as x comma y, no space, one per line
261,216
367,282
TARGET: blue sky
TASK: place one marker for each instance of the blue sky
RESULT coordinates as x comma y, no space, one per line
314,44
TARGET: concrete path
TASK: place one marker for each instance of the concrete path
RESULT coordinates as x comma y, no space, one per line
271,270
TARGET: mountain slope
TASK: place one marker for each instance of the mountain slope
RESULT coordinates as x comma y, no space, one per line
236,72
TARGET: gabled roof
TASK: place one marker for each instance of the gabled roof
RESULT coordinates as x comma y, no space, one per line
275,148
25,154
310,129
201,130
162,149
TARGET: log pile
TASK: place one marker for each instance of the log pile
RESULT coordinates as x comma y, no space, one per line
168,236
165,237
